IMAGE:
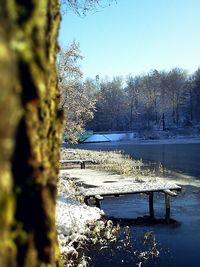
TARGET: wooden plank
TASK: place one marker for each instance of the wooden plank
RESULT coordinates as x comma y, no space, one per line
151,208
82,165
70,161
169,192
167,207
98,205
117,185
98,197
77,161
133,188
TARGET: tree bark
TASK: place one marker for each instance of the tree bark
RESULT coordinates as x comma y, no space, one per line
30,133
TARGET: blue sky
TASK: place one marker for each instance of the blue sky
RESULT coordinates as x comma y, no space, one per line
135,36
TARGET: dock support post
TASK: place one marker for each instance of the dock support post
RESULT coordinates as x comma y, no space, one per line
82,165
98,198
167,207
86,200
98,203
151,209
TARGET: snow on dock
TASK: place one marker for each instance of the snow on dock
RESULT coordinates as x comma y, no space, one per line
97,185
130,188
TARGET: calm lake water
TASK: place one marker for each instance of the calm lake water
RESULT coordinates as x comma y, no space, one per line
182,158
179,243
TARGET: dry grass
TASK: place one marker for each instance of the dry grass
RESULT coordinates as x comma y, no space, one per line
113,162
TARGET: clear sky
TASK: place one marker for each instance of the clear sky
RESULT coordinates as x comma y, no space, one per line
135,36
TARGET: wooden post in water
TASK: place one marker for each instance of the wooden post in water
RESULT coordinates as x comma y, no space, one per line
82,165
98,205
167,207
151,209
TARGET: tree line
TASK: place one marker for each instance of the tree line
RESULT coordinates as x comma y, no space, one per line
156,100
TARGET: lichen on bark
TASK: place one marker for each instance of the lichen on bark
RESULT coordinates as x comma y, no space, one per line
30,132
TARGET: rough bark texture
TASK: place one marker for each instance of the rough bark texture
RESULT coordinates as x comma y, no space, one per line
30,132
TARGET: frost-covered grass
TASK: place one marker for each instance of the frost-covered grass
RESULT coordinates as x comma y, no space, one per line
114,162
79,225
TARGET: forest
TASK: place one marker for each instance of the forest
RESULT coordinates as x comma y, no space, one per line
158,100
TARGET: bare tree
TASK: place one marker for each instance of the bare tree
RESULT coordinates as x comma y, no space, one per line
76,102
173,84
133,98
82,7
194,90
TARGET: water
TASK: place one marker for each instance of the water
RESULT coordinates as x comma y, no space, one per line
182,158
179,243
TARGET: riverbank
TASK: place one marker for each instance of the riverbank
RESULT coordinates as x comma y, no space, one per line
165,141
146,135
78,224
178,243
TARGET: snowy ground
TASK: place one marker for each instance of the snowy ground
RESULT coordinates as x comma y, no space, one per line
110,137
72,217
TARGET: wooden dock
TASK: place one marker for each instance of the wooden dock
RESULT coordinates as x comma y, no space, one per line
83,162
78,161
98,185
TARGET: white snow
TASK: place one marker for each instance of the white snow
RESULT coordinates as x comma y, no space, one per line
110,137
72,219
96,138
71,216
108,183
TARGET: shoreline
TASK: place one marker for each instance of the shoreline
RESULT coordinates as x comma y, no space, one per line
182,140
187,197
82,234
79,225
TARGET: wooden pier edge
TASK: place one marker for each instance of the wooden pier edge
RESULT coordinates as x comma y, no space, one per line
167,193
78,161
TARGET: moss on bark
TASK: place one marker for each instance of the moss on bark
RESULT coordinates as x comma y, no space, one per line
30,132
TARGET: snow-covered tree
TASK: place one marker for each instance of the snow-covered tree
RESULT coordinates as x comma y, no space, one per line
76,100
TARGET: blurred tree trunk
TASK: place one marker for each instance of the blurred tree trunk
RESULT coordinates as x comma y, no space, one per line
30,132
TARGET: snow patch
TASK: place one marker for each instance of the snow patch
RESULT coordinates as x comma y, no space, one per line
110,137
96,138
73,216
72,219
